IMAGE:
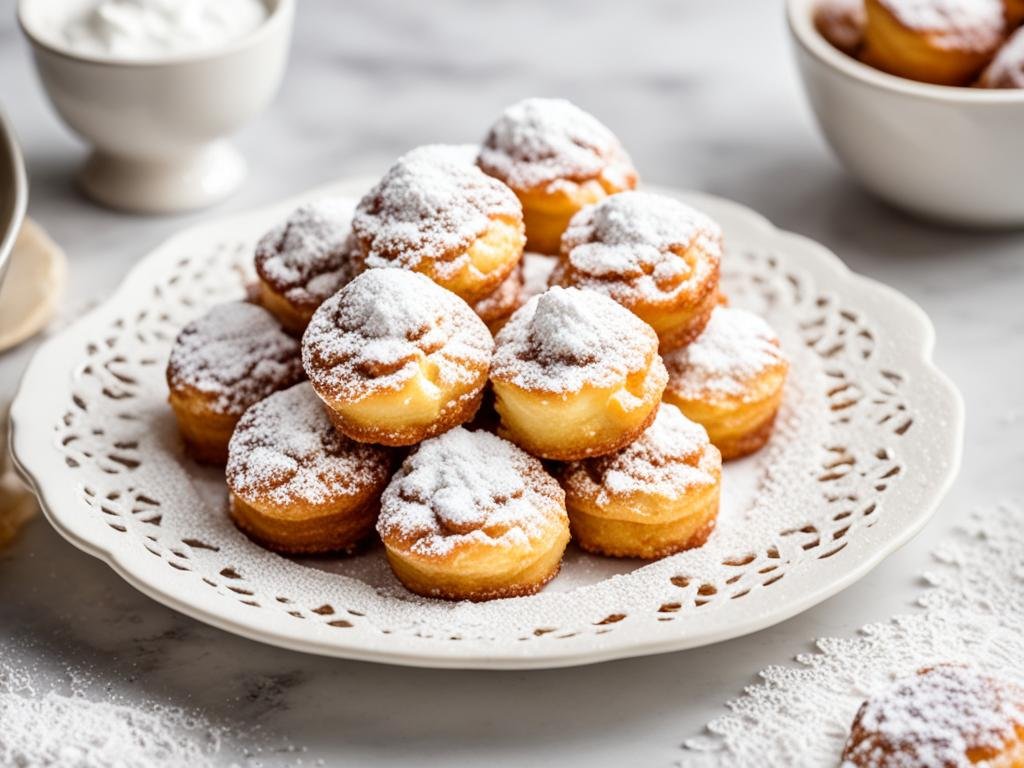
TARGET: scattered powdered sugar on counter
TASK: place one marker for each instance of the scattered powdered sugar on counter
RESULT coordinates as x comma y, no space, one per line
431,205
669,459
310,255
567,338
236,354
537,142
933,719
734,348
371,336
464,487
630,247
286,449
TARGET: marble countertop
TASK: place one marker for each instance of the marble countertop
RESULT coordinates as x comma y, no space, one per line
705,95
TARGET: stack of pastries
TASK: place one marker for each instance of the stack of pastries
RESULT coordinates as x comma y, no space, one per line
947,42
503,347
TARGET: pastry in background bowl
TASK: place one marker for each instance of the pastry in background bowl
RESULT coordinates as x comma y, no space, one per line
469,516
656,256
296,484
397,358
946,715
842,23
575,375
222,363
657,496
730,380
1006,70
305,259
436,213
557,159
947,42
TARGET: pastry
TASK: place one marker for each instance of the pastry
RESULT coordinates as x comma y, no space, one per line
497,307
33,286
842,23
297,485
654,255
1007,68
730,380
575,375
947,716
557,159
230,358
947,42
1014,11
435,212
537,269
656,496
306,259
470,516
396,358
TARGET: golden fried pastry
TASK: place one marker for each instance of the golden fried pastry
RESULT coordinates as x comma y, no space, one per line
575,375
730,380
947,42
654,255
497,307
656,496
435,212
1007,68
557,159
297,485
231,357
537,269
306,259
1014,12
470,516
947,716
396,357
842,23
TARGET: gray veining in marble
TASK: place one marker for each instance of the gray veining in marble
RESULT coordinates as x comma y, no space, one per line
704,94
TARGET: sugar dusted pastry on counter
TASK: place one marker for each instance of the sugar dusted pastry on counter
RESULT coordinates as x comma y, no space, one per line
557,159
730,380
654,255
657,496
947,42
947,716
305,259
575,375
436,213
842,23
397,358
297,485
227,360
469,516
1007,68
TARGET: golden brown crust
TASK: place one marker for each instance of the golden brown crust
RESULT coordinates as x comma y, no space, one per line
940,48
205,431
342,531
622,538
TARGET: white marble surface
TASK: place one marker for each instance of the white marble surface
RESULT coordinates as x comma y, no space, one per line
705,95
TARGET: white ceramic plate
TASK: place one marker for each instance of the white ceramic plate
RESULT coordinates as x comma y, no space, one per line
867,442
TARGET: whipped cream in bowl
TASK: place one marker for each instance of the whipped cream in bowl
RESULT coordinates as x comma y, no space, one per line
154,29
155,87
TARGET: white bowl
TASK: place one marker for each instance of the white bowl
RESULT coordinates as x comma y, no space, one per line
950,154
158,128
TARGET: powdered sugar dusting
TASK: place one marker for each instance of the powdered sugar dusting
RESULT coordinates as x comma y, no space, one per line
286,450
668,460
974,24
469,488
431,204
503,300
537,268
630,246
1007,68
235,354
842,23
539,142
568,338
735,347
311,254
931,720
372,335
